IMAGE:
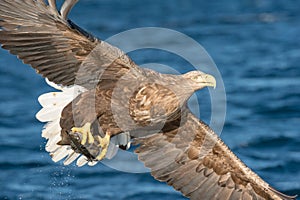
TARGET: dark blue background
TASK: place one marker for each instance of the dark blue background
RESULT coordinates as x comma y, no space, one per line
256,46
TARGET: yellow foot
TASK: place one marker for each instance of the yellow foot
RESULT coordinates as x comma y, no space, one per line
85,131
103,143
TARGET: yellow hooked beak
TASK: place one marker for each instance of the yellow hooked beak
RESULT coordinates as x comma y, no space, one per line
206,80
211,81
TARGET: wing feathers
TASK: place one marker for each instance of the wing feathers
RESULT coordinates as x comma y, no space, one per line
283,196
165,171
56,47
181,180
52,4
66,8
206,184
165,160
202,166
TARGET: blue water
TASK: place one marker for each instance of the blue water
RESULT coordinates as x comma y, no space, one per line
254,43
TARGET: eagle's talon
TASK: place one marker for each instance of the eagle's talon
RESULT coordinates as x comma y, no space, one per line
103,143
87,136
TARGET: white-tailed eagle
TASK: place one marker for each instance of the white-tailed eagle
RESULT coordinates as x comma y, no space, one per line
106,101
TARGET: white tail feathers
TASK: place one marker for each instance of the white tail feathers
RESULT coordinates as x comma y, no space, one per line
81,161
53,104
71,158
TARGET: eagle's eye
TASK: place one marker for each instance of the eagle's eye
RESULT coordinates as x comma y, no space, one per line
195,78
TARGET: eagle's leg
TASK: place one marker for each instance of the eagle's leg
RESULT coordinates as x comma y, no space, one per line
103,143
87,136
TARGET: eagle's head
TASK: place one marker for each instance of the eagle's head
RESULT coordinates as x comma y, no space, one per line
198,80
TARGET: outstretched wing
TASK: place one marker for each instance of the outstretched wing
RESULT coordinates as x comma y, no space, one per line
193,160
57,48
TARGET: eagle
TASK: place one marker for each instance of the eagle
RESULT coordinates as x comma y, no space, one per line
106,101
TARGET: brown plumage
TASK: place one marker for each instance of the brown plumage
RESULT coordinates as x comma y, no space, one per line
113,96
191,158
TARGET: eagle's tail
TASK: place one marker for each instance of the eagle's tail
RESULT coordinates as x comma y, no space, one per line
53,104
